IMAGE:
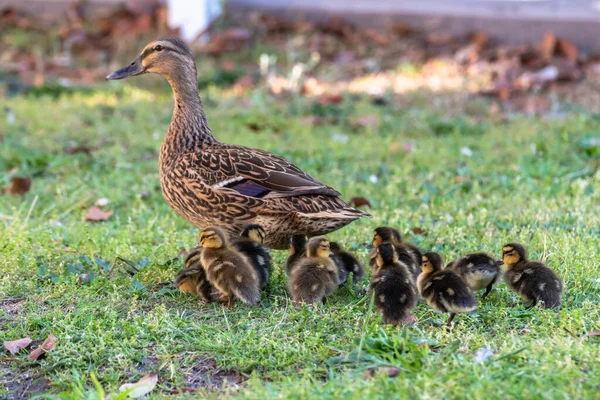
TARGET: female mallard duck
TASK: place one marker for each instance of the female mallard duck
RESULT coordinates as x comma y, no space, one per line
228,270
250,244
412,257
393,287
444,290
478,270
210,183
533,281
315,277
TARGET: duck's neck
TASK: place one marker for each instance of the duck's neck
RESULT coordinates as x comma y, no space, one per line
189,128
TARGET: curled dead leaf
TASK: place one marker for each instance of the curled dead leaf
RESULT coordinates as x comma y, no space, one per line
359,202
43,349
96,214
391,372
567,49
142,387
331,99
593,333
18,186
418,231
15,345
366,121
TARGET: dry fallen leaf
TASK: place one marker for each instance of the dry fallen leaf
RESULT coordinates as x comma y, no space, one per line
18,186
391,372
567,49
331,99
593,333
359,202
548,45
96,214
418,231
43,349
16,345
367,121
142,387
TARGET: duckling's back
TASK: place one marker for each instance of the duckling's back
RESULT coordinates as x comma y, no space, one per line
535,282
313,279
479,270
349,264
259,257
394,293
447,292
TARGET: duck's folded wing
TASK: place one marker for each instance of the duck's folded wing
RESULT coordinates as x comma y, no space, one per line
254,173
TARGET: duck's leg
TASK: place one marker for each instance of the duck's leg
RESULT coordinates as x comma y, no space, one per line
449,323
488,289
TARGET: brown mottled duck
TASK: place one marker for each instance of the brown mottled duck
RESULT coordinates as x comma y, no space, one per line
210,183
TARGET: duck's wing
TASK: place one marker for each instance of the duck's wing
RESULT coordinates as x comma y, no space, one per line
254,173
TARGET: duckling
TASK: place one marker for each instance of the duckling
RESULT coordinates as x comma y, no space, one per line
315,276
386,234
347,262
228,270
478,270
533,281
297,250
192,279
444,290
393,287
251,245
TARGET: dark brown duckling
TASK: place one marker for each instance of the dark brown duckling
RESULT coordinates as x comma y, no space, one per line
444,290
251,245
395,294
192,279
347,262
228,270
297,250
478,270
386,234
315,276
533,281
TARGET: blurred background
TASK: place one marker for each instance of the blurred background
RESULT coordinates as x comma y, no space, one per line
526,56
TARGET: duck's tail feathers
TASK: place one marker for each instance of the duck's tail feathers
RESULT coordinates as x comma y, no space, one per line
248,294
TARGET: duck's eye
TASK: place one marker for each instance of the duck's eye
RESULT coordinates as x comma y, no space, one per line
158,48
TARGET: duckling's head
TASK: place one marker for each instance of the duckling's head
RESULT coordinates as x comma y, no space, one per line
168,57
212,238
254,232
512,253
385,234
386,254
318,247
297,244
432,262
335,247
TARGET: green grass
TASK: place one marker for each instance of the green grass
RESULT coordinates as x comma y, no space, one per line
529,180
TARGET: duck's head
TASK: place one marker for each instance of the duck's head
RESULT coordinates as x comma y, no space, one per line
168,57
318,247
297,244
512,253
386,254
212,238
254,232
385,234
432,262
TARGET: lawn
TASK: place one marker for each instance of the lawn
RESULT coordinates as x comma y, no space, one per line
466,181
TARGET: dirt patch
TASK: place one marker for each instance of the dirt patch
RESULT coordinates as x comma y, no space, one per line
12,307
21,384
205,374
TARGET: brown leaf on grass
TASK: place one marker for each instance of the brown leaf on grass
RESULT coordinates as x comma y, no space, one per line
391,372
439,38
593,333
331,99
548,45
74,149
376,37
359,202
418,231
15,345
96,214
43,349
567,49
142,387
18,186
479,39
243,83
365,121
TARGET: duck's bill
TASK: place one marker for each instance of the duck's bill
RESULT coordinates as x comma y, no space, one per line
133,69
500,262
370,246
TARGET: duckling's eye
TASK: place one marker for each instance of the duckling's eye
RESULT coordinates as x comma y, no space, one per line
158,48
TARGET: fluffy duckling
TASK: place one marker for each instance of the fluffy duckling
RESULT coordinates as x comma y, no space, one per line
444,290
228,270
347,262
393,287
315,276
386,234
478,270
533,281
251,245
193,279
297,250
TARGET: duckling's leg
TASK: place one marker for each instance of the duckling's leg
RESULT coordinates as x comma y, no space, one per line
324,300
488,289
449,323
531,304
